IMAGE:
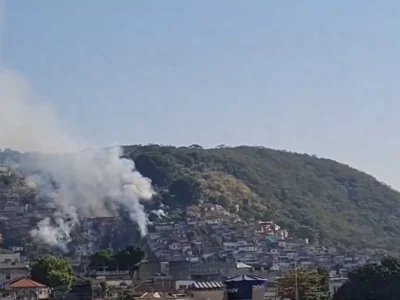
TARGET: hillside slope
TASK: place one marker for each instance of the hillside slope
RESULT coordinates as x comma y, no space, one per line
312,197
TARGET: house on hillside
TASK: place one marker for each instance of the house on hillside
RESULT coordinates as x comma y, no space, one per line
12,270
10,257
12,267
4,170
24,288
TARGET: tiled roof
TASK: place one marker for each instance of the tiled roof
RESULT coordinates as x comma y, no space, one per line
25,283
11,281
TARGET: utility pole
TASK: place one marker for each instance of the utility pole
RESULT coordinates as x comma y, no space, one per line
295,277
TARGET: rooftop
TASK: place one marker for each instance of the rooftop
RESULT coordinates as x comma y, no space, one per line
24,282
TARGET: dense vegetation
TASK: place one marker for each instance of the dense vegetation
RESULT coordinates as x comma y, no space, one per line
372,281
55,272
312,197
311,285
126,259
377,281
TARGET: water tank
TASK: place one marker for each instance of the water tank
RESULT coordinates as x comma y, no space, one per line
241,287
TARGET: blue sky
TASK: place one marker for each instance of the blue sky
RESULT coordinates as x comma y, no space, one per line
310,76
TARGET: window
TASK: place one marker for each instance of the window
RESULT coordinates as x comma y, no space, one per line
8,276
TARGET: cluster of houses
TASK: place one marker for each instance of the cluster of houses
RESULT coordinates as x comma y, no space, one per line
18,213
197,253
153,280
210,234
15,282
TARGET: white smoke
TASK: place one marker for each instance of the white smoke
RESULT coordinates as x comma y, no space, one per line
94,183
78,184
159,213
54,235
29,125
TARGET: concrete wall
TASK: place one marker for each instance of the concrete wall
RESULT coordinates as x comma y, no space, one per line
119,282
206,272
258,293
27,294
271,293
10,257
8,274
180,270
216,277
185,284
232,271
208,295
148,269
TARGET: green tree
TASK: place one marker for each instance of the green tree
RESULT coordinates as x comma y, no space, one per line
372,281
52,271
126,259
148,168
311,285
184,190
102,258
324,292
129,259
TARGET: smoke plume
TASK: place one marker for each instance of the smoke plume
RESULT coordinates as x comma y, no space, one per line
78,184
159,213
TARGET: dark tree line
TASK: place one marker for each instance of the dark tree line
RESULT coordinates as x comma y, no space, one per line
378,281
127,259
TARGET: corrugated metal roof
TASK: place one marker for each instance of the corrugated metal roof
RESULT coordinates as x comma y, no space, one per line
245,277
208,285
241,265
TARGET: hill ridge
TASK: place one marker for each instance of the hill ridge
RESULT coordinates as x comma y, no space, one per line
312,196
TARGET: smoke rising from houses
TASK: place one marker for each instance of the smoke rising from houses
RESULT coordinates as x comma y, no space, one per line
77,184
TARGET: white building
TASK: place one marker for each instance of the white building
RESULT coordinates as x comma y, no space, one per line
335,283
11,257
5,171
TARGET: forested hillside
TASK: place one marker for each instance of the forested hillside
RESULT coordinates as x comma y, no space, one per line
312,197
